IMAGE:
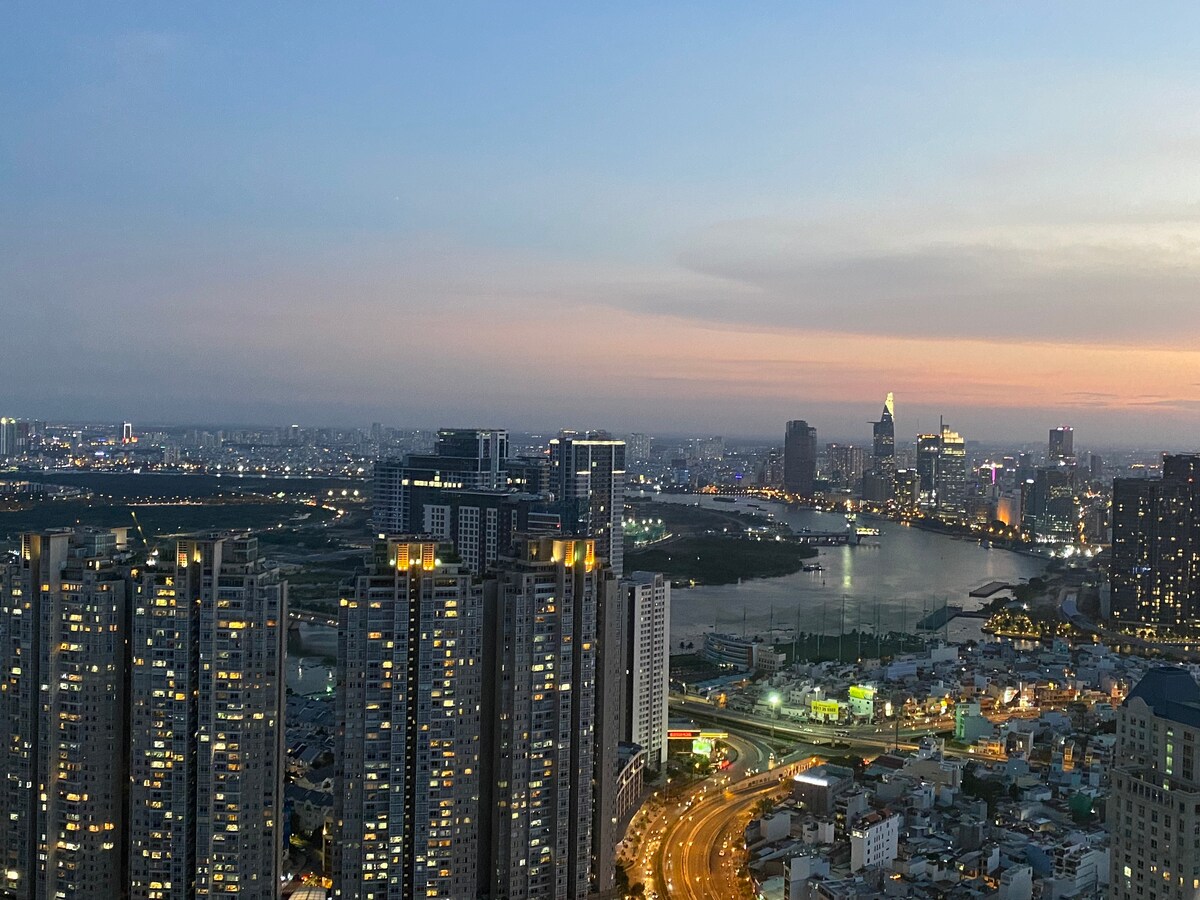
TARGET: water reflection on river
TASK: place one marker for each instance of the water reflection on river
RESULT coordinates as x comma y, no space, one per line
891,581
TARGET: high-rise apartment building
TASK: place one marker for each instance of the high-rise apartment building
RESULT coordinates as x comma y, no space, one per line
539,720
206,746
146,757
588,480
1061,445
845,465
63,702
646,648
1155,569
409,727
10,438
463,459
639,447
529,474
481,524
1154,805
799,458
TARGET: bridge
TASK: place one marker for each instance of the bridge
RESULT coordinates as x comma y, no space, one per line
827,538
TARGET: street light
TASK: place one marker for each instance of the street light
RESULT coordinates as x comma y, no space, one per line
773,699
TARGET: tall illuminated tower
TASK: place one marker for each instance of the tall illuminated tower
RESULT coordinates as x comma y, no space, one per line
587,476
206,748
63,702
408,727
879,482
884,433
544,771
951,478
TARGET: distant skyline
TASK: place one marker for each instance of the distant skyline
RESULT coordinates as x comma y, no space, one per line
1012,442
700,218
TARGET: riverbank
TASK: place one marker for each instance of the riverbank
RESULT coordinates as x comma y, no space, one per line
887,583
720,559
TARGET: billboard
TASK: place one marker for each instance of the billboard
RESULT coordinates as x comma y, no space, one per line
825,709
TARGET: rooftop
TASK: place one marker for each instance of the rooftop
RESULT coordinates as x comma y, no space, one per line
1172,693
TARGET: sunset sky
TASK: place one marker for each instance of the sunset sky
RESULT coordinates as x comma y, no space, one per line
703,217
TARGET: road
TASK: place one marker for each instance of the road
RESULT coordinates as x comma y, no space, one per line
312,618
867,737
702,853
691,841
749,754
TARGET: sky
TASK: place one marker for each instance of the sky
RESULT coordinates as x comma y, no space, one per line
682,218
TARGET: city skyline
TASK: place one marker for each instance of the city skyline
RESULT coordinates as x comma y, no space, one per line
736,217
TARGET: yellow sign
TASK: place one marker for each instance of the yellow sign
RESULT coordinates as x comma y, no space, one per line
827,708
861,692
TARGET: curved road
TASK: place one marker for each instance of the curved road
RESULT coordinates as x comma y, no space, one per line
703,852
693,844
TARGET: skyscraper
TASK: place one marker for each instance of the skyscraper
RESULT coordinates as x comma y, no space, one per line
1155,570
646,649
951,477
207,686
879,483
1051,512
908,489
588,479
539,720
929,448
63,700
408,727
1061,444
1154,807
799,458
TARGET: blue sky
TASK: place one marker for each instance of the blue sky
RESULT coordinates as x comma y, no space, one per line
685,217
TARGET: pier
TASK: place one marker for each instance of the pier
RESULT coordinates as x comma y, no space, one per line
992,587
940,617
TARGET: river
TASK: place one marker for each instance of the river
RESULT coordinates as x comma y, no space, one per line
891,581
